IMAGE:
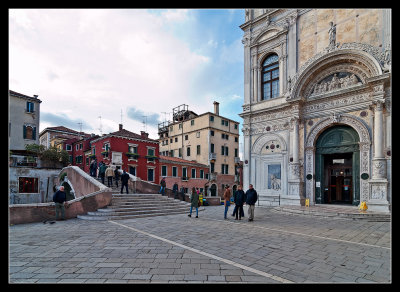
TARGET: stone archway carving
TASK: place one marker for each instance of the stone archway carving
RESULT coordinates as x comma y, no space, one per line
365,149
264,139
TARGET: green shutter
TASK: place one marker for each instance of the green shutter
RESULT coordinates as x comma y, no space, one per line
34,133
24,132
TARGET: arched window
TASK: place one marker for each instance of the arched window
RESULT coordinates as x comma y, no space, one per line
270,77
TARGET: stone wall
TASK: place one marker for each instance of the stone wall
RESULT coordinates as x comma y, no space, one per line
91,195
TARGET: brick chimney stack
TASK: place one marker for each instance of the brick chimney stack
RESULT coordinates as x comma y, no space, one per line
144,134
216,108
120,127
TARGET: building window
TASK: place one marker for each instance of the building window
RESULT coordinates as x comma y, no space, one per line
188,151
186,137
68,147
184,173
28,185
224,168
163,170
212,133
174,171
180,152
150,153
212,165
150,174
193,172
198,149
270,77
224,150
132,170
176,139
211,118
236,126
30,107
201,173
29,132
192,122
197,134
212,148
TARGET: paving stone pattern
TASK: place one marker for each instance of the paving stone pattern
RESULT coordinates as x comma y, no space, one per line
178,249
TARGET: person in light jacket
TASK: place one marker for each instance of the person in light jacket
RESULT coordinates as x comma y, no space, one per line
194,200
109,174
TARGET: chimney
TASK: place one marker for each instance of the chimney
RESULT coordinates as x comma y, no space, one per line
120,127
35,96
144,134
216,108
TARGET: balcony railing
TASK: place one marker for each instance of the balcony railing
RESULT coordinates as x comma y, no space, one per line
212,156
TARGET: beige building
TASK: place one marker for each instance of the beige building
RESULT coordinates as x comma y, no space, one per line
317,83
208,138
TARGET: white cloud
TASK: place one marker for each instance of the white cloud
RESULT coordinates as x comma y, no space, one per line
91,62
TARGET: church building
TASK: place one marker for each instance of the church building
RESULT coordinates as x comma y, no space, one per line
317,106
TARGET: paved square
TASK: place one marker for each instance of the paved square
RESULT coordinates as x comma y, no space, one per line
274,248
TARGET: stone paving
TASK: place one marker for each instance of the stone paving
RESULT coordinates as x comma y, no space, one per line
274,248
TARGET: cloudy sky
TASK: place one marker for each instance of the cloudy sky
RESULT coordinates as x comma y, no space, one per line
90,63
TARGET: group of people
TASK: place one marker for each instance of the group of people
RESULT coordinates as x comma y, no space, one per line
239,198
106,170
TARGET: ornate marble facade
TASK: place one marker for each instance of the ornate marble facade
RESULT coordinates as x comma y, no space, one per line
347,82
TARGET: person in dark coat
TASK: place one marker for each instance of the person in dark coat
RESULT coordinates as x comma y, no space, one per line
182,192
162,188
194,200
175,189
124,181
59,198
239,201
251,199
116,175
102,172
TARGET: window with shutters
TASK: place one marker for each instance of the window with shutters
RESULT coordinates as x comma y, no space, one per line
29,132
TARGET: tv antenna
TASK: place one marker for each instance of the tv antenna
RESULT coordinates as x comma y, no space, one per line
145,123
165,115
80,129
121,116
101,133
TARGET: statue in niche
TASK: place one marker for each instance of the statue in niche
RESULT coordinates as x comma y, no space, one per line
332,35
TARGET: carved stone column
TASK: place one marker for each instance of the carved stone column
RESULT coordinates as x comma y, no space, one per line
295,186
378,184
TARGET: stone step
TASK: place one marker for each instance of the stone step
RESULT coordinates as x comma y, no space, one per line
132,216
127,206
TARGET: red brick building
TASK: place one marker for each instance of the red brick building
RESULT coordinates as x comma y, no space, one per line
184,172
134,153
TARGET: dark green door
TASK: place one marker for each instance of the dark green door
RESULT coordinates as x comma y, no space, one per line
337,160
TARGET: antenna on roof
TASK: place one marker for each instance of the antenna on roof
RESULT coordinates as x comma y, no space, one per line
101,133
121,115
145,123
80,130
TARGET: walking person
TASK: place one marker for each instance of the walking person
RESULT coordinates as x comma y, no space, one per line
116,175
194,200
109,174
239,201
227,198
124,181
102,171
162,188
59,198
251,199
182,192
175,189
93,167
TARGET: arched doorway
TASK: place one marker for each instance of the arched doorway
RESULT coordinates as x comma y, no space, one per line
337,166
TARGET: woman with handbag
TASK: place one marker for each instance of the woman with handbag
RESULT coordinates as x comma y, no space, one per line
194,200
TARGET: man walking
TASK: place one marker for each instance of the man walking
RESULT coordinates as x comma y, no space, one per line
109,174
175,189
59,199
227,199
102,171
124,181
251,199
